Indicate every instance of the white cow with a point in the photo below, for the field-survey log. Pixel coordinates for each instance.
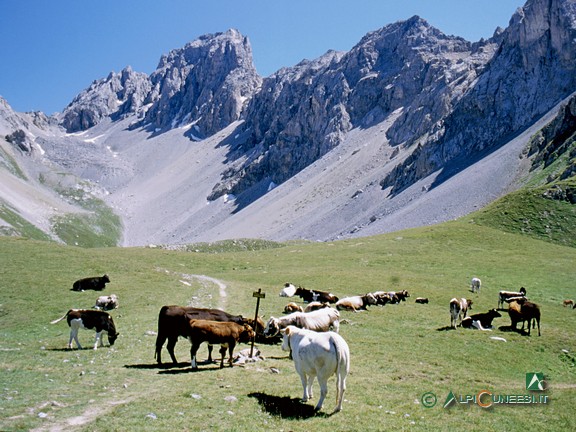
(318, 355)
(108, 302)
(475, 285)
(320, 320)
(288, 291)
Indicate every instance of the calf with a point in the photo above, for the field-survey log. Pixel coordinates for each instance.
(458, 310)
(107, 302)
(319, 355)
(89, 319)
(225, 334)
(422, 300)
(173, 322)
(97, 283)
(568, 303)
(504, 296)
(481, 321)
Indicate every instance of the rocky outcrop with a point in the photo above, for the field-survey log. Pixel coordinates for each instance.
(555, 142)
(206, 84)
(303, 112)
(532, 71)
(116, 96)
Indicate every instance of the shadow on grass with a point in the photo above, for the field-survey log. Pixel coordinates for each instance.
(157, 366)
(446, 328)
(512, 329)
(286, 407)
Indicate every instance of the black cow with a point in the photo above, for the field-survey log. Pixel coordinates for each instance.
(315, 295)
(89, 319)
(97, 283)
(481, 321)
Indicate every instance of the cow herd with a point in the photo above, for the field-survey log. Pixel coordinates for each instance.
(520, 310)
(310, 333)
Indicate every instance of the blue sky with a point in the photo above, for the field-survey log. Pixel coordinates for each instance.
(53, 49)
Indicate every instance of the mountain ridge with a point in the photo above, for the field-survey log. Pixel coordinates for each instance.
(339, 146)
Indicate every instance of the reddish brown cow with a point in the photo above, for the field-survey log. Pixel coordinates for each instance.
(225, 334)
(173, 321)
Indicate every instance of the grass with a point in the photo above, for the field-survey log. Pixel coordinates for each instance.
(398, 352)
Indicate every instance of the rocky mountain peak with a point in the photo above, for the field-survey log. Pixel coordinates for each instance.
(205, 83)
(117, 95)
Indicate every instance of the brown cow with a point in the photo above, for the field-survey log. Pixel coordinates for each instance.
(89, 319)
(226, 334)
(524, 311)
(173, 321)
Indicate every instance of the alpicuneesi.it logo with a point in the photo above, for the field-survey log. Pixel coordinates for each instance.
(485, 398)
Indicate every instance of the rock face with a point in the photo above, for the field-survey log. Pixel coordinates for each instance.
(532, 70)
(205, 83)
(303, 112)
(557, 139)
(118, 95)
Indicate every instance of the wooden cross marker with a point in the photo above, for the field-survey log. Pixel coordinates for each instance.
(259, 295)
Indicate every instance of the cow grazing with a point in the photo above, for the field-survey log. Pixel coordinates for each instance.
(224, 333)
(522, 312)
(481, 321)
(458, 310)
(505, 296)
(475, 285)
(318, 355)
(568, 302)
(173, 322)
(314, 295)
(292, 307)
(320, 320)
(107, 302)
(356, 303)
(97, 283)
(89, 319)
(288, 291)
(422, 300)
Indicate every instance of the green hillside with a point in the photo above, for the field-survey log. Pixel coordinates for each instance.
(544, 212)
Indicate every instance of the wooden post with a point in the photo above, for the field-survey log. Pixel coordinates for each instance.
(258, 294)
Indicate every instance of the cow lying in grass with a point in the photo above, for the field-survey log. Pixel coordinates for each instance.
(97, 283)
(107, 302)
(481, 321)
